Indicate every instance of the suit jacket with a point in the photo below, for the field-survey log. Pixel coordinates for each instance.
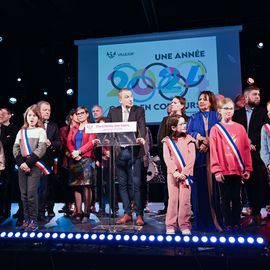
(54, 137)
(136, 114)
(258, 119)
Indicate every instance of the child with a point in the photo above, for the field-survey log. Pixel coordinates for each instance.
(230, 161)
(179, 156)
(29, 147)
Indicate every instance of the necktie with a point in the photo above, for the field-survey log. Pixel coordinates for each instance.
(126, 115)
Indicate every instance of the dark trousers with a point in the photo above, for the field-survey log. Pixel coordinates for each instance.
(129, 178)
(230, 199)
(28, 183)
(45, 194)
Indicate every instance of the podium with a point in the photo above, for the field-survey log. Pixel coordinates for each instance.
(114, 138)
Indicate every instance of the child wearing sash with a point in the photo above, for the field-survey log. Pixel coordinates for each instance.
(179, 156)
(29, 147)
(230, 161)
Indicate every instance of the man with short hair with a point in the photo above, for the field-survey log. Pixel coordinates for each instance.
(97, 112)
(253, 117)
(46, 187)
(128, 164)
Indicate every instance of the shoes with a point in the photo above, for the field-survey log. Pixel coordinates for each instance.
(126, 218)
(24, 225)
(78, 217)
(170, 231)
(140, 221)
(32, 226)
(162, 212)
(51, 213)
(85, 218)
(186, 232)
(101, 213)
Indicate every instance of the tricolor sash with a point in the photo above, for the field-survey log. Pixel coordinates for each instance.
(232, 146)
(27, 150)
(180, 163)
(267, 127)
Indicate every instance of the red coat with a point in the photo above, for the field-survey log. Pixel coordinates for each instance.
(86, 146)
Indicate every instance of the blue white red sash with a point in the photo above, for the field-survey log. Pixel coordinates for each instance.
(180, 163)
(267, 127)
(232, 146)
(27, 150)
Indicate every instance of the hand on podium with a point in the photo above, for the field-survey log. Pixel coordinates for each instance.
(140, 141)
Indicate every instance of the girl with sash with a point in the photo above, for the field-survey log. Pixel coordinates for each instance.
(205, 198)
(179, 156)
(28, 149)
(230, 162)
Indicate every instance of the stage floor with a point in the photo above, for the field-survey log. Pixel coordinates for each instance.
(154, 223)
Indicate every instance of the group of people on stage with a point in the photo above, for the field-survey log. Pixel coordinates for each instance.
(215, 162)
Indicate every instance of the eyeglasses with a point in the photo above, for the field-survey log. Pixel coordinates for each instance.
(227, 109)
(80, 113)
(183, 124)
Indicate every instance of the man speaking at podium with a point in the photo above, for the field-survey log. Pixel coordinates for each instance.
(130, 179)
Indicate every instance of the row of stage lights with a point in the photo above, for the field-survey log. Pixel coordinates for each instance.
(135, 238)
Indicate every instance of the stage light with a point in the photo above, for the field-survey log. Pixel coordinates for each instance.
(17, 234)
(93, 236)
(102, 237)
(45, 93)
(260, 45)
(151, 238)
(10, 234)
(204, 239)
(54, 235)
(61, 61)
(1, 39)
(70, 235)
(70, 92)
(62, 236)
(160, 238)
(186, 239)
(143, 238)
(177, 238)
(222, 239)
(19, 79)
(12, 100)
(39, 235)
(260, 240)
(213, 239)
(24, 235)
(118, 237)
(32, 235)
(86, 236)
(231, 239)
(126, 237)
(110, 237)
(241, 240)
(250, 240)
(135, 238)
(250, 80)
(3, 234)
(78, 236)
(195, 239)
(47, 235)
(169, 238)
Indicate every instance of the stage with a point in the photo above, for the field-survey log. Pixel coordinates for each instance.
(61, 243)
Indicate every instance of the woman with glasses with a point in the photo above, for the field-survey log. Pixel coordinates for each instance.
(206, 208)
(230, 162)
(82, 164)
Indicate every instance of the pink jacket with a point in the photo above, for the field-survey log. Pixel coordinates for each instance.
(222, 159)
(186, 146)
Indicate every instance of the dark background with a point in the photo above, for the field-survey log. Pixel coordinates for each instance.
(35, 33)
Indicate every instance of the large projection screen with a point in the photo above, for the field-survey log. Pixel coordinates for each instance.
(159, 66)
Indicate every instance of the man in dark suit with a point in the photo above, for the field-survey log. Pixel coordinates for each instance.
(253, 117)
(46, 186)
(130, 178)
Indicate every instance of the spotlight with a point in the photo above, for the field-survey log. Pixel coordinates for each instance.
(1, 39)
(110, 237)
(250, 80)
(61, 61)
(126, 237)
(45, 93)
(19, 79)
(70, 92)
(12, 100)
(118, 237)
(78, 236)
(260, 45)
(62, 235)
(143, 238)
(160, 238)
(102, 237)
(86, 236)
(134, 238)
